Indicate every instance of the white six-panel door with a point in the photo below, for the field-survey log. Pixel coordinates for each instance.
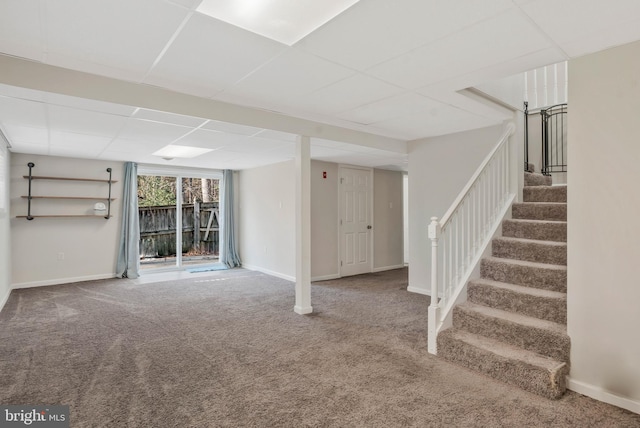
(356, 225)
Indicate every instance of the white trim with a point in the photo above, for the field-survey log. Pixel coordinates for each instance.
(418, 290)
(302, 310)
(4, 300)
(600, 394)
(177, 171)
(325, 277)
(59, 281)
(384, 268)
(269, 272)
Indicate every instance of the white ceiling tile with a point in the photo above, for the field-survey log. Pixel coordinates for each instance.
(71, 140)
(504, 37)
(210, 55)
(389, 108)
(84, 121)
(25, 134)
(134, 146)
(19, 112)
(75, 152)
(290, 75)
(121, 34)
(346, 94)
(170, 118)
(231, 128)
(154, 132)
(189, 4)
(573, 20)
(208, 139)
(444, 121)
(377, 30)
(31, 149)
(20, 29)
(113, 71)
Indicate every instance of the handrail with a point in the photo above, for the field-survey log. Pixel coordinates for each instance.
(465, 231)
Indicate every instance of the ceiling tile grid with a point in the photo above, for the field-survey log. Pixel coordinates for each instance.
(390, 68)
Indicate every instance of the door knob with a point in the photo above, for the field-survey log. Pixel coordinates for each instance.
(369, 227)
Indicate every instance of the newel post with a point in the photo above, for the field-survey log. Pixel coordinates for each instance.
(434, 310)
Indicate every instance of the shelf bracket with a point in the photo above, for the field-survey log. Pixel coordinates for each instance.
(29, 216)
(109, 198)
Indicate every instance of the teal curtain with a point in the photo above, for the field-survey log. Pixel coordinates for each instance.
(229, 251)
(128, 265)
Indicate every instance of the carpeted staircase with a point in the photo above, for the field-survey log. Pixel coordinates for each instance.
(513, 325)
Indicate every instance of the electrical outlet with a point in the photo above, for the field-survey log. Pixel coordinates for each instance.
(60, 256)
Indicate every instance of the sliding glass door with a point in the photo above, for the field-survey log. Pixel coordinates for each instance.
(179, 219)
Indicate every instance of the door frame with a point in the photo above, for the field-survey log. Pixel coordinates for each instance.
(342, 167)
(179, 173)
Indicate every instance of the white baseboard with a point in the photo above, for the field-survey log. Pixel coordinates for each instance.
(4, 299)
(418, 290)
(325, 277)
(605, 396)
(62, 281)
(269, 272)
(383, 268)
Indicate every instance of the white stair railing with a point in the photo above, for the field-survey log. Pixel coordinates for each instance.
(460, 237)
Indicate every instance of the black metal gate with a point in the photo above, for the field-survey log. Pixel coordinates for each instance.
(554, 139)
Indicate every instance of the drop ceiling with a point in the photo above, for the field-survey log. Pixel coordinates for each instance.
(396, 70)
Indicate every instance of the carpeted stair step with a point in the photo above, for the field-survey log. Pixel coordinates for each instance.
(534, 302)
(530, 167)
(539, 211)
(551, 252)
(524, 369)
(529, 274)
(536, 179)
(533, 334)
(541, 230)
(544, 194)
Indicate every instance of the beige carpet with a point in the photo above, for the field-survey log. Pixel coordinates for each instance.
(227, 350)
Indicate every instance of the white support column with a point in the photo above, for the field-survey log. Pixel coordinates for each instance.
(303, 226)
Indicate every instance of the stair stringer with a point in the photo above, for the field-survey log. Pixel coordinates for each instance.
(460, 295)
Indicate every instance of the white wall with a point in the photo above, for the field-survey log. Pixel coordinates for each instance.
(439, 168)
(388, 233)
(267, 219)
(89, 244)
(5, 249)
(325, 240)
(267, 235)
(604, 235)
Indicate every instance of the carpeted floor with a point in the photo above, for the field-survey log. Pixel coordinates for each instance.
(227, 350)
